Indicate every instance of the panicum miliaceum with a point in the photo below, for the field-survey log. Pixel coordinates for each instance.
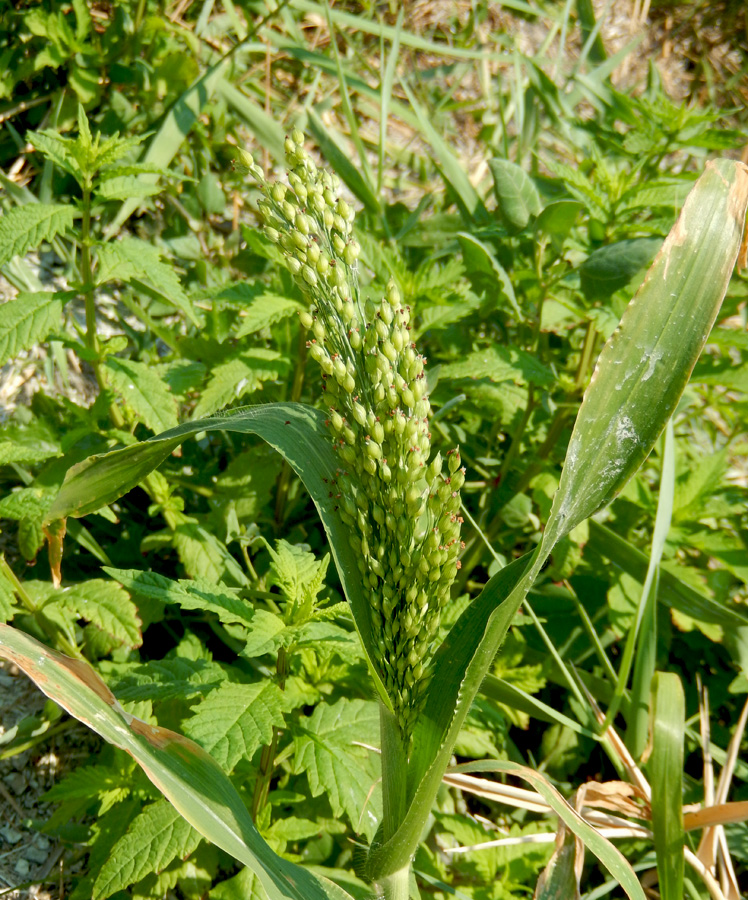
(402, 509)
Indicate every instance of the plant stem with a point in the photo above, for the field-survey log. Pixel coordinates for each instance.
(395, 886)
(267, 760)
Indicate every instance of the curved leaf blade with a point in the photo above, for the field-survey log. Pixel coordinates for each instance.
(181, 770)
(646, 364)
(666, 778)
(613, 860)
(296, 431)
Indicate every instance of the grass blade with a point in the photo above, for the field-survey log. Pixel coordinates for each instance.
(666, 778)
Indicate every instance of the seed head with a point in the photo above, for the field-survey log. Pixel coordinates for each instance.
(400, 510)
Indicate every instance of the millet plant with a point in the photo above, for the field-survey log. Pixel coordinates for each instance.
(392, 514)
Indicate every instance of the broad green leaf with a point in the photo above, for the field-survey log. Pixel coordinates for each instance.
(665, 771)
(258, 309)
(479, 257)
(26, 320)
(558, 218)
(154, 838)
(613, 860)
(237, 377)
(133, 260)
(500, 364)
(244, 886)
(7, 598)
(105, 605)
(516, 194)
(25, 227)
(205, 556)
(143, 391)
(325, 750)
(13, 452)
(197, 593)
(612, 267)
(237, 719)
(297, 432)
(185, 774)
(28, 502)
(122, 187)
(166, 679)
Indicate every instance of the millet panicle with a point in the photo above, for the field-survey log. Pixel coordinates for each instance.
(401, 507)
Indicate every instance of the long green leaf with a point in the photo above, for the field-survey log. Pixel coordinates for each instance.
(631, 393)
(297, 432)
(179, 768)
(646, 364)
(666, 778)
(609, 856)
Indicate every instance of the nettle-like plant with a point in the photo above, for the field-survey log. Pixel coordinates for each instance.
(392, 514)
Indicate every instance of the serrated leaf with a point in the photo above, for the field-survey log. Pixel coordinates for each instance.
(204, 556)
(500, 364)
(131, 259)
(263, 311)
(7, 599)
(325, 750)
(26, 320)
(29, 502)
(143, 391)
(155, 837)
(236, 720)
(13, 452)
(122, 187)
(299, 574)
(30, 537)
(207, 597)
(63, 152)
(238, 377)
(167, 679)
(25, 227)
(515, 192)
(244, 886)
(104, 604)
(480, 258)
(90, 783)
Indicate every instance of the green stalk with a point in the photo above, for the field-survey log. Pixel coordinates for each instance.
(267, 760)
(395, 886)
